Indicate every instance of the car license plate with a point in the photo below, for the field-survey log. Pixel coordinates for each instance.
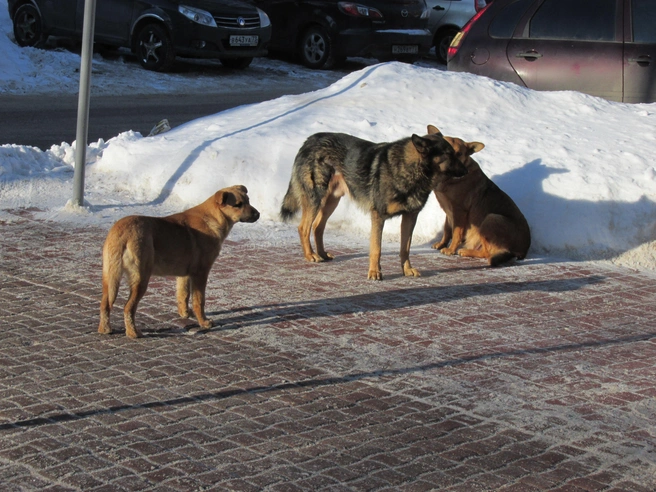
(244, 40)
(405, 49)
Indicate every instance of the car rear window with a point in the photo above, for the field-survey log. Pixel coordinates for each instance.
(503, 25)
(584, 20)
(644, 21)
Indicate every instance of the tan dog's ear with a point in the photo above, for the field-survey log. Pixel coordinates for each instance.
(224, 198)
(433, 130)
(242, 188)
(474, 147)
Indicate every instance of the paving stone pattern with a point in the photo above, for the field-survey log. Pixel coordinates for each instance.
(536, 376)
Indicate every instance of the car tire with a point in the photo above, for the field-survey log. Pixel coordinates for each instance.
(154, 48)
(28, 27)
(442, 42)
(237, 63)
(316, 49)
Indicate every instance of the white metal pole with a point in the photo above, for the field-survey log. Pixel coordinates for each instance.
(83, 101)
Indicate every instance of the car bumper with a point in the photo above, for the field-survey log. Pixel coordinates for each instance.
(215, 42)
(385, 44)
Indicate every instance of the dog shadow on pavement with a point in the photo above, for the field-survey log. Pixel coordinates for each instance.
(380, 301)
(386, 300)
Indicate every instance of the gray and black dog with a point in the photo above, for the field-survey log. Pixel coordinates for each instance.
(386, 179)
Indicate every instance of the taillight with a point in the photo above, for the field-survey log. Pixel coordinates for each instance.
(457, 40)
(357, 10)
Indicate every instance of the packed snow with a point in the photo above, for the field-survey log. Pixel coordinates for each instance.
(581, 169)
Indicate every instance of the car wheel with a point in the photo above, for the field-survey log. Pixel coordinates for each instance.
(154, 48)
(238, 63)
(316, 49)
(442, 42)
(28, 29)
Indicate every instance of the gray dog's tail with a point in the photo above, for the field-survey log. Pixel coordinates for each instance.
(290, 204)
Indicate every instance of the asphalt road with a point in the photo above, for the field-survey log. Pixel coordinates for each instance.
(46, 120)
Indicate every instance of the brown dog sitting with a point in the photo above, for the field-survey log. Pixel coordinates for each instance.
(479, 213)
(184, 245)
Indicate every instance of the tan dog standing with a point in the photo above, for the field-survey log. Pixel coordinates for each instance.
(479, 213)
(184, 245)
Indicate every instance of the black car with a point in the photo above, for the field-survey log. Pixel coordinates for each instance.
(606, 48)
(156, 30)
(323, 33)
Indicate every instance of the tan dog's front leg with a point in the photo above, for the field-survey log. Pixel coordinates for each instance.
(408, 221)
(198, 285)
(375, 240)
(182, 295)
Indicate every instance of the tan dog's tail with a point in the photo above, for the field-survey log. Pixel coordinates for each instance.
(111, 279)
(290, 204)
(112, 272)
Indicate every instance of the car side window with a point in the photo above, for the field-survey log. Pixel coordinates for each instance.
(644, 21)
(583, 20)
(503, 25)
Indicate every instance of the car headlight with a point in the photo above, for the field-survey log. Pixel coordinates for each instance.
(264, 18)
(197, 15)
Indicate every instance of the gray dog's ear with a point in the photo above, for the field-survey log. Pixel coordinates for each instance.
(420, 143)
(432, 130)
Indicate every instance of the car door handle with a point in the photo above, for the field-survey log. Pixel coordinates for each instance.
(438, 8)
(529, 55)
(643, 60)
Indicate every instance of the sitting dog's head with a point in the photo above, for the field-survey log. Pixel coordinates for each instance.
(463, 149)
(439, 153)
(234, 204)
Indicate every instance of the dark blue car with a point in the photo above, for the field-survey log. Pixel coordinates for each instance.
(155, 30)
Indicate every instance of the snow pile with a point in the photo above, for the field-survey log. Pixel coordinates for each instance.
(580, 168)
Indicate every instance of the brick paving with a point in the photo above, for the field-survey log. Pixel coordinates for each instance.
(536, 376)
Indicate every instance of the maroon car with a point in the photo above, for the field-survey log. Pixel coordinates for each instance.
(606, 48)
